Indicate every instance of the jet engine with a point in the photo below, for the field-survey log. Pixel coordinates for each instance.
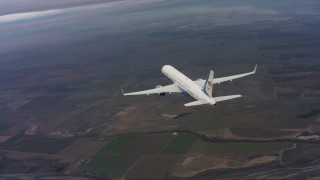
(161, 94)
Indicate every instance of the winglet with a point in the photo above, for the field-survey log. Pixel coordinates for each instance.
(255, 69)
(122, 91)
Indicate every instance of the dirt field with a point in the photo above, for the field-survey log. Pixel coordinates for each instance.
(82, 148)
(237, 147)
(263, 132)
(4, 138)
(43, 146)
(194, 164)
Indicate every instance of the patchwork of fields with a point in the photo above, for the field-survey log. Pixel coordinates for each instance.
(63, 113)
(159, 155)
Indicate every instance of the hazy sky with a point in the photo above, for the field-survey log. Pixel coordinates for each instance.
(65, 24)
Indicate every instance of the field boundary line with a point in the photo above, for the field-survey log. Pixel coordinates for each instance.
(124, 175)
(164, 146)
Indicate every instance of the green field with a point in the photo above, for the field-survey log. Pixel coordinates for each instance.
(120, 157)
(3, 127)
(237, 147)
(180, 144)
(117, 145)
(108, 165)
(147, 144)
(313, 112)
(153, 166)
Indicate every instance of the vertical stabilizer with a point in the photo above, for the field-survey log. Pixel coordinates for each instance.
(208, 85)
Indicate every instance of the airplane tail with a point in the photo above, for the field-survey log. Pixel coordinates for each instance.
(208, 85)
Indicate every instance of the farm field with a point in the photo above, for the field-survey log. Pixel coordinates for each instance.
(147, 144)
(153, 167)
(108, 165)
(63, 72)
(115, 146)
(158, 155)
(237, 147)
(3, 127)
(77, 149)
(180, 144)
(312, 113)
(43, 146)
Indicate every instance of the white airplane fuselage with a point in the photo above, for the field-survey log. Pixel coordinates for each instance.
(200, 89)
(186, 84)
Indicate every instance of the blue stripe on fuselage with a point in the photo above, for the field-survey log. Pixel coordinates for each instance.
(204, 88)
(184, 92)
(205, 92)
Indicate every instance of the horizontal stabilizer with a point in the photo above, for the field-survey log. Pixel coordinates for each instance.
(224, 98)
(173, 88)
(195, 103)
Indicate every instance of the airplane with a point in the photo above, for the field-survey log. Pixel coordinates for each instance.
(200, 89)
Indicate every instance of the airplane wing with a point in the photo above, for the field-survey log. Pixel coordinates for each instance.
(216, 99)
(224, 98)
(230, 78)
(173, 88)
(201, 82)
